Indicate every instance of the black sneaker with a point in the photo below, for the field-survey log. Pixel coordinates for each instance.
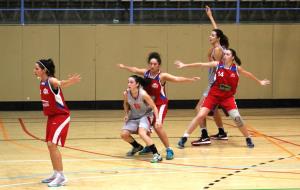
(249, 142)
(181, 142)
(219, 136)
(201, 141)
(146, 150)
(134, 150)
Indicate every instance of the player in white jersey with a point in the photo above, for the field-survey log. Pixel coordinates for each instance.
(219, 43)
(139, 109)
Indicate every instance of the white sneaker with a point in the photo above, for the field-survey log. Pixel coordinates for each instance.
(58, 181)
(156, 158)
(49, 179)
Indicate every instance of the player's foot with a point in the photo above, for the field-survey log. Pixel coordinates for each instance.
(249, 142)
(170, 154)
(156, 158)
(181, 142)
(49, 179)
(146, 150)
(134, 150)
(60, 180)
(201, 141)
(219, 136)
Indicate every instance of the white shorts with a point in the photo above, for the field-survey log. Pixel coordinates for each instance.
(133, 125)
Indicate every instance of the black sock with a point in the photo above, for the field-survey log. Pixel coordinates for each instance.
(204, 133)
(135, 144)
(221, 131)
(153, 148)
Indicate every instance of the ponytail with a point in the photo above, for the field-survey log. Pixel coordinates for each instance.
(143, 82)
(236, 58)
(223, 38)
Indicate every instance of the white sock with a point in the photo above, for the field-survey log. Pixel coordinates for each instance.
(61, 173)
(186, 135)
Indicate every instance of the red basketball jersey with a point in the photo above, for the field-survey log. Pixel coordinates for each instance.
(52, 103)
(226, 81)
(156, 89)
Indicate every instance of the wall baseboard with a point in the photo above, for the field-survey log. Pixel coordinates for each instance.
(173, 104)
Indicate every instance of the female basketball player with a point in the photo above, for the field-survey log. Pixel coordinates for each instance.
(222, 92)
(139, 109)
(156, 90)
(219, 43)
(55, 108)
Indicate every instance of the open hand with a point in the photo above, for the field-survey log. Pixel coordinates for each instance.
(179, 64)
(265, 82)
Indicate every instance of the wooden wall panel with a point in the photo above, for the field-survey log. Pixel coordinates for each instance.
(11, 63)
(39, 42)
(77, 55)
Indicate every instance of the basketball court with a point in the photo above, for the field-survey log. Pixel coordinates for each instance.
(94, 155)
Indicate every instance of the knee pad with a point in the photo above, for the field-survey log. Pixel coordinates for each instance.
(235, 115)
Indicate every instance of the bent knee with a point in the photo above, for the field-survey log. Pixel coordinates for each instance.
(124, 134)
(239, 121)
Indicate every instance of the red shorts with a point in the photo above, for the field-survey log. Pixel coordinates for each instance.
(57, 129)
(162, 112)
(211, 102)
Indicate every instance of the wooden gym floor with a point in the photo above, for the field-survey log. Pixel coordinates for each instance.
(94, 156)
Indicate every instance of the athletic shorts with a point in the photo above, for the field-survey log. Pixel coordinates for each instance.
(205, 93)
(211, 102)
(133, 125)
(57, 128)
(162, 112)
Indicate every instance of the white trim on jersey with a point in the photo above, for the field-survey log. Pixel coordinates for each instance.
(161, 112)
(57, 96)
(58, 131)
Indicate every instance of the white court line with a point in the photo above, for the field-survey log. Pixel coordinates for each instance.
(18, 184)
(97, 177)
(119, 159)
(92, 178)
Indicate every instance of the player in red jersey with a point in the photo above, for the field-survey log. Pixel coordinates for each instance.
(55, 108)
(156, 89)
(222, 93)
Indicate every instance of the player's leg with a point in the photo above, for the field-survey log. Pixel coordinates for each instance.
(59, 129)
(230, 105)
(162, 112)
(130, 127)
(221, 135)
(193, 124)
(143, 129)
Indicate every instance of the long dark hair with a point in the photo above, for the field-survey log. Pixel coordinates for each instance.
(154, 55)
(48, 65)
(143, 82)
(223, 38)
(236, 58)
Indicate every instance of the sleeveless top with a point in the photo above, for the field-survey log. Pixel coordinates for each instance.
(138, 107)
(226, 81)
(53, 103)
(156, 89)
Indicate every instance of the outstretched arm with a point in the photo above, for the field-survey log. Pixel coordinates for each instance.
(210, 16)
(73, 79)
(180, 64)
(172, 78)
(251, 76)
(132, 69)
